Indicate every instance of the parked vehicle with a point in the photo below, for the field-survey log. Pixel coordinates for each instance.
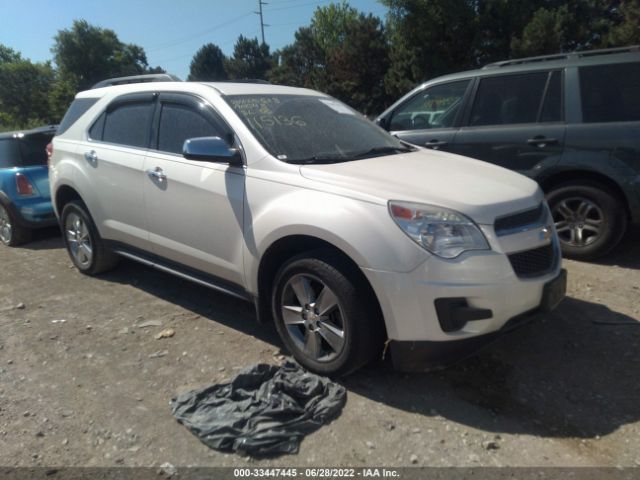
(286, 197)
(25, 201)
(569, 121)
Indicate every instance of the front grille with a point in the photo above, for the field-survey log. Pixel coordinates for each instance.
(533, 263)
(505, 225)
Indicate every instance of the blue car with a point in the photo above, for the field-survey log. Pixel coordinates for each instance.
(25, 199)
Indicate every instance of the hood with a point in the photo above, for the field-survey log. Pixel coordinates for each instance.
(477, 189)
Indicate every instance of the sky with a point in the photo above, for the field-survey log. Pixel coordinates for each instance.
(170, 31)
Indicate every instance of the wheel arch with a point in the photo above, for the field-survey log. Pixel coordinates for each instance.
(290, 246)
(551, 181)
(65, 194)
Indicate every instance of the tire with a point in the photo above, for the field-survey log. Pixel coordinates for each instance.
(324, 315)
(11, 233)
(84, 244)
(589, 218)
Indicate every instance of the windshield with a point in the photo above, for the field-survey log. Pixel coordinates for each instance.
(308, 129)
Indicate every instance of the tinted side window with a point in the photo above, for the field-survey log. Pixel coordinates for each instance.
(179, 123)
(435, 107)
(9, 153)
(96, 130)
(552, 107)
(129, 124)
(76, 110)
(33, 148)
(508, 99)
(610, 93)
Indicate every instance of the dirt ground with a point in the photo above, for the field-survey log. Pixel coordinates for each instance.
(84, 383)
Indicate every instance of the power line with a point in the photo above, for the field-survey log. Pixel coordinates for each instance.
(165, 45)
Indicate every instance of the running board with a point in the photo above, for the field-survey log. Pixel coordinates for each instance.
(209, 282)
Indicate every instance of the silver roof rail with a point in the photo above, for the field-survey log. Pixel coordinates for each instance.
(152, 77)
(563, 56)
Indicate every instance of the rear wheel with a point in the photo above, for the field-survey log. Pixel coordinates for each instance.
(12, 234)
(590, 220)
(324, 315)
(84, 244)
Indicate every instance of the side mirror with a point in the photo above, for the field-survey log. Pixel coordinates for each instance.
(211, 149)
(382, 122)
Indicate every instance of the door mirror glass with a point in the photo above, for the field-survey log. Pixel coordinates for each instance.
(211, 149)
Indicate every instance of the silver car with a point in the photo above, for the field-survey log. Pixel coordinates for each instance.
(349, 239)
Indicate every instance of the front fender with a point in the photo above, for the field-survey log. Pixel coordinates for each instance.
(362, 230)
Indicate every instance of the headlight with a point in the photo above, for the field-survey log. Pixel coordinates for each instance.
(440, 231)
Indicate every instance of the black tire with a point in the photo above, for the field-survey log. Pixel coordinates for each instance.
(76, 238)
(357, 313)
(12, 234)
(593, 210)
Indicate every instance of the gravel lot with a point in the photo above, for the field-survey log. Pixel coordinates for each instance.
(83, 383)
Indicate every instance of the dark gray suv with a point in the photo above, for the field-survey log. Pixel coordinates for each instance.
(570, 121)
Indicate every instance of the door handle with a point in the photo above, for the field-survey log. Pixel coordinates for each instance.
(542, 141)
(91, 156)
(435, 144)
(157, 173)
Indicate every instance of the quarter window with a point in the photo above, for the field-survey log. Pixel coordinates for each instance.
(508, 99)
(129, 124)
(435, 107)
(179, 123)
(610, 93)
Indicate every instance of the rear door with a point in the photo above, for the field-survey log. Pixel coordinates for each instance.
(194, 209)
(430, 118)
(515, 121)
(119, 140)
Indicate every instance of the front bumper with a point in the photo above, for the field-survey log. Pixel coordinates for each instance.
(411, 356)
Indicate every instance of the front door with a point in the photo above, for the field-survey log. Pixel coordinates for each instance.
(428, 119)
(194, 208)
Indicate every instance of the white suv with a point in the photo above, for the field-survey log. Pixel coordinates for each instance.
(348, 238)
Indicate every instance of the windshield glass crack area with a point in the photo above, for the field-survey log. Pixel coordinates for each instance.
(306, 129)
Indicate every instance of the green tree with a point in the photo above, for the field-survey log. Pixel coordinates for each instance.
(626, 30)
(250, 59)
(330, 24)
(544, 34)
(86, 54)
(208, 64)
(24, 94)
(428, 38)
(301, 64)
(8, 55)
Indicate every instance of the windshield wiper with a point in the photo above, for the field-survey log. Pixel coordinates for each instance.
(317, 159)
(380, 151)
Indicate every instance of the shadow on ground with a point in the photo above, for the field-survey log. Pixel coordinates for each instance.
(627, 254)
(571, 375)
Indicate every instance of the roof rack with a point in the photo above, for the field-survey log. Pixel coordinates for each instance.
(152, 77)
(245, 80)
(563, 56)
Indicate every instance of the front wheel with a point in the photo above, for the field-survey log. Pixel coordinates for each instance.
(84, 244)
(589, 219)
(324, 315)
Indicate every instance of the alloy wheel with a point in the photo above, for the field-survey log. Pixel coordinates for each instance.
(313, 317)
(6, 230)
(578, 220)
(78, 239)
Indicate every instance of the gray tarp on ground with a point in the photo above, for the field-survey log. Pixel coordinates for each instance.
(265, 410)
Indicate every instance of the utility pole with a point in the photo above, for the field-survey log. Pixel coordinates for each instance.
(259, 12)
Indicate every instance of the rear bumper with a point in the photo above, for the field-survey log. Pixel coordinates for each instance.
(32, 212)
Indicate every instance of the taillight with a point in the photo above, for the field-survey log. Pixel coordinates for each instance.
(24, 185)
(49, 150)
